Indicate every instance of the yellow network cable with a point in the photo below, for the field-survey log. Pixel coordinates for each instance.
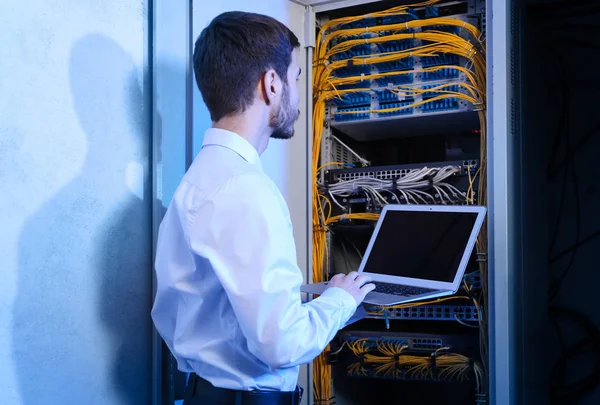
(327, 93)
(367, 216)
(399, 10)
(389, 359)
(323, 43)
(412, 105)
(441, 43)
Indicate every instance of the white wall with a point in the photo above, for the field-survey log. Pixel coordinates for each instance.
(284, 161)
(75, 245)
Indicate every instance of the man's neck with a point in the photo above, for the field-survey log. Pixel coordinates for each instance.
(251, 130)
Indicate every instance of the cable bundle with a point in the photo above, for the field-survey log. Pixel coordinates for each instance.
(410, 187)
(389, 358)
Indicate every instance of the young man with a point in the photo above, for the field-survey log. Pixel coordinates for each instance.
(228, 303)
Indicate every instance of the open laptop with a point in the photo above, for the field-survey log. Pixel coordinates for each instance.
(417, 252)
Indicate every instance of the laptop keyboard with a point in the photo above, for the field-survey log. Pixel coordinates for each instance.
(395, 289)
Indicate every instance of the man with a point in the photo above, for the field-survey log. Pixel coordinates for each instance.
(228, 303)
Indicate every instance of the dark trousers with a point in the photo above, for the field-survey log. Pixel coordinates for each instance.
(201, 392)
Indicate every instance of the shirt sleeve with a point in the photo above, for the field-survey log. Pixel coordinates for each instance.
(246, 234)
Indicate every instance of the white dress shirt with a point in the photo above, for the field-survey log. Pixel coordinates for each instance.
(228, 302)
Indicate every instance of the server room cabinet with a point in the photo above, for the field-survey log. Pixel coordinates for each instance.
(351, 139)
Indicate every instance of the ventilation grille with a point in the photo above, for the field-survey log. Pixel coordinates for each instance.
(342, 154)
(515, 70)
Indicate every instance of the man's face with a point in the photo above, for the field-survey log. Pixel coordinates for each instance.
(285, 113)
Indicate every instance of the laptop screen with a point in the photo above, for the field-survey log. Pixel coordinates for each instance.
(421, 244)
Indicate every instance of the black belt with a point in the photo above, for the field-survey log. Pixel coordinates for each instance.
(199, 387)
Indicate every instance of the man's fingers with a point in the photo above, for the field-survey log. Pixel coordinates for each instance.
(367, 288)
(353, 275)
(362, 279)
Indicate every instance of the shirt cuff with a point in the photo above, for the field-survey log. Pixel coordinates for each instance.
(347, 301)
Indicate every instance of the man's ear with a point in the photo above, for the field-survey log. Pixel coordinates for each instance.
(270, 86)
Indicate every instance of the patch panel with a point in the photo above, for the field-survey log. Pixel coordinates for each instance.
(402, 71)
(352, 70)
(395, 46)
(396, 171)
(470, 165)
(426, 343)
(403, 111)
(411, 340)
(348, 117)
(444, 59)
(445, 28)
(386, 96)
(372, 339)
(397, 65)
(398, 19)
(431, 12)
(339, 40)
(466, 313)
(403, 78)
(370, 22)
(353, 99)
(452, 8)
(357, 200)
(357, 85)
(367, 49)
(434, 93)
(356, 51)
(441, 105)
(441, 74)
(365, 22)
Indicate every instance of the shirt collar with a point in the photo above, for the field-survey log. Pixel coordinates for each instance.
(233, 141)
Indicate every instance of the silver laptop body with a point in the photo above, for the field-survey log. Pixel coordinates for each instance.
(417, 252)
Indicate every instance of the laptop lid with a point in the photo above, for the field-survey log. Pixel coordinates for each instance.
(423, 245)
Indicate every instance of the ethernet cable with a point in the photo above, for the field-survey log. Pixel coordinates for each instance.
(410, 186)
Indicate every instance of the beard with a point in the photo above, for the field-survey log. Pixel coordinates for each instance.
(283, 118)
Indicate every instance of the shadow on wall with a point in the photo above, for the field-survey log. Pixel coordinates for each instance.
(82, 322)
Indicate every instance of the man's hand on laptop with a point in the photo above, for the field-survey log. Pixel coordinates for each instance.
(353, 283)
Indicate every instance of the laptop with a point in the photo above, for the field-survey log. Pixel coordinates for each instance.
(417, 252)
